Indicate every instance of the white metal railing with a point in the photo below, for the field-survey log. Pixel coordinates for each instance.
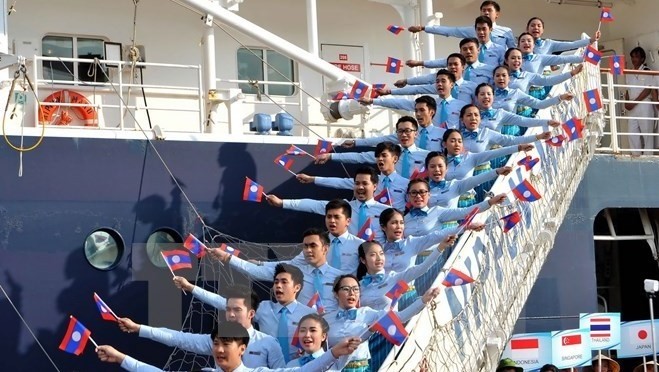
(617, 134)
(468, 326)
(119, 89)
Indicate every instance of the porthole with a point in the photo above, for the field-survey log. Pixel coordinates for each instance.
(104, 248)
(163, 239)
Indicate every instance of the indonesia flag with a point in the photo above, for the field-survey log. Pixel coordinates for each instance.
(617, 64)
(366, 232)
(394, 65)
(600, 327)
(395, 29)
(455, 278)
(525, 192)
(573, 128)
(384, 197)
(592, 100)
(605, 15)
(358, 90)
(524, 348)
(195, 246)
(104, 309)
(592, 55)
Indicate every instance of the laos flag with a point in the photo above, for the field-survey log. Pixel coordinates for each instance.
(284, 161)
(374, 93)
(510, 221)
(573, 128)
(592, 100)
(396, 292)
(395, 29)
(177, 259)
(252, 191)
(528, 162)
(617, 64)
(195, 246)
(383, 197)
(592, 55)
(322, 147)
(366, 232)
(318, 302)
(76, 337)
(456, 277)
(391, 328)
(230, 250)
(556, 141)
(358, 90)
(605, 15)
(525, 192)
(393, 65)
(104, 309)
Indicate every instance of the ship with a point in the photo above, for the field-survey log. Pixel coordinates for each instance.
(130, 124)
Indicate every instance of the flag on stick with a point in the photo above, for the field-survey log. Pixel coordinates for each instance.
(177, 260)
(528, 162)
(456, 277)
(510, 221)
(393, 65)
(104, 309)
(592, 100)
(396, 292)
(605, 15)
(75, 338)
(592, 55)
(573, 128)
(252, 191)
(617, 64)
(391, 328)
(322, 147)
(525, 192)
(195, 246)
(395, 29)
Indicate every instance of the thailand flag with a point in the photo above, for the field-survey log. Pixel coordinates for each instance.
(606, 15)
(384, 197)
(600, 327)
(75, 338)
(524, 348)
(230, 250)
(358, 90)
(322, 147)
(525, 192)
(393, 65)
(396, 292)
(456, 277)
(617, 64)
(177, 259)
(423, 173)
(375, 94)
(104, 309)
(528, 162)
(395, 29)
(252, 191)
(592, 55)
(195, 246)
(366, 232)
(295, 151)
(510, 221)
(573, 129)
(317, 302)
(469, 217)
(556, 141)
(592, 100)
(391, 328)
(284, 161)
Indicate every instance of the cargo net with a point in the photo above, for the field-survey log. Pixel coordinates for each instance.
(213, 276)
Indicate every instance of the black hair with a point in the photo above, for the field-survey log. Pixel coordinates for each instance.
(296, 274)
(496, 5)
(324, 326)
(464, 108)
(431, 155)
(468, 40)
(522, 35)
(387, 214)
(248, 295)
(483, 19)
(405, 119)
(447, 73)
(341, 204)
(230, 331)
(324, 238)
(481, 86)
(510, 50)
(429, 101)
(549, 367)
(415, 181)
(639, 51)
(501, 67)
(458, 56)
(337, 281)
(373, 174)
(361, 251)
(393, 148)
(445, 138)
(533, 19)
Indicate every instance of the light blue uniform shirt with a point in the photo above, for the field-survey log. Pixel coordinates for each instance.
(500, 34)
(514, 97)
(495, 118)
(415, 160)
(348, 252)
(523, 80)
(453, 107)
(448, 193)
(397, 183)
(401, 254)
(420, 225)
(262, 350)
(493, 53)
(536, 62)
(465, 90)
(433, 143)
(485, 138)
(336, 367)
(469, 161)
(549, 46)
(373, 210)
(476, 72)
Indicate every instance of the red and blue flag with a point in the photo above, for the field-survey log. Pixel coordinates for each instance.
(525, 192)
(455, 277)
(177, 259)
(104, 309)
(394, 65)
(359, 90)
(528, 162)
(395, 29)
(556, 141)
(295, 151)
(76, 337)
(230, 250)
(339, 96)
(416, 173)
(600, 327)
(366, 232)
(391, 328)
(510, 221)
(384, 197)
(318, 302)
(252, 191)
(295, 341)
(284, 161)
(469, 217)
(617, 65)
(592, 100)
(592, 55)
(322, 147)
(605, 15)
(396, 292)
(374, 93)
(195, 246)
(573, 128)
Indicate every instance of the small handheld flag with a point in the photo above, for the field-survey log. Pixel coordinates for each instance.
(104, 309)
(296, 151)
(366, 232)
(374, 93)
(318, 302)
(396, 292)
(528, 162)
(592, 100)
(322, 147)
(395, 29)
(195, 246)
(384, 197)
(456, 277)
(295, 341)
(391, 328)
(252, 191)
(285, 162)
(573, 128)
(230, 250)
(592, 55)
(617, 64)
(394, 65)
(423, 173)
(556, 141)
(525, 192)
(510, 221)
(469, 217)
(605, 15)
(339, 96)
(177, 259)
(76, 337)
(358, 90)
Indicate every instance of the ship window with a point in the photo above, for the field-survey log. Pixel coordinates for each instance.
(163, 239)
(266, 66)
(68, 47)
(104, 249)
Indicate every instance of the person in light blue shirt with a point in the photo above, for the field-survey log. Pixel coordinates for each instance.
(534, 62)
(536, 27)
(312, 334)
(241, 306)
(501, 35)
(523, 80)
(230, 341)
(411, 157)
(386, 154)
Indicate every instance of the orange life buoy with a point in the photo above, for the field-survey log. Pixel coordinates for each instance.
(87, 114)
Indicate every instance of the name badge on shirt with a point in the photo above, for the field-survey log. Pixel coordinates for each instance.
(293, 322)
(329, 284)
(347, 254)
(418, 162)
(398, 191)
(479, 141)
(434, 140)
(399, 253)
(444, 191)
(382, 286)
(254, 353)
